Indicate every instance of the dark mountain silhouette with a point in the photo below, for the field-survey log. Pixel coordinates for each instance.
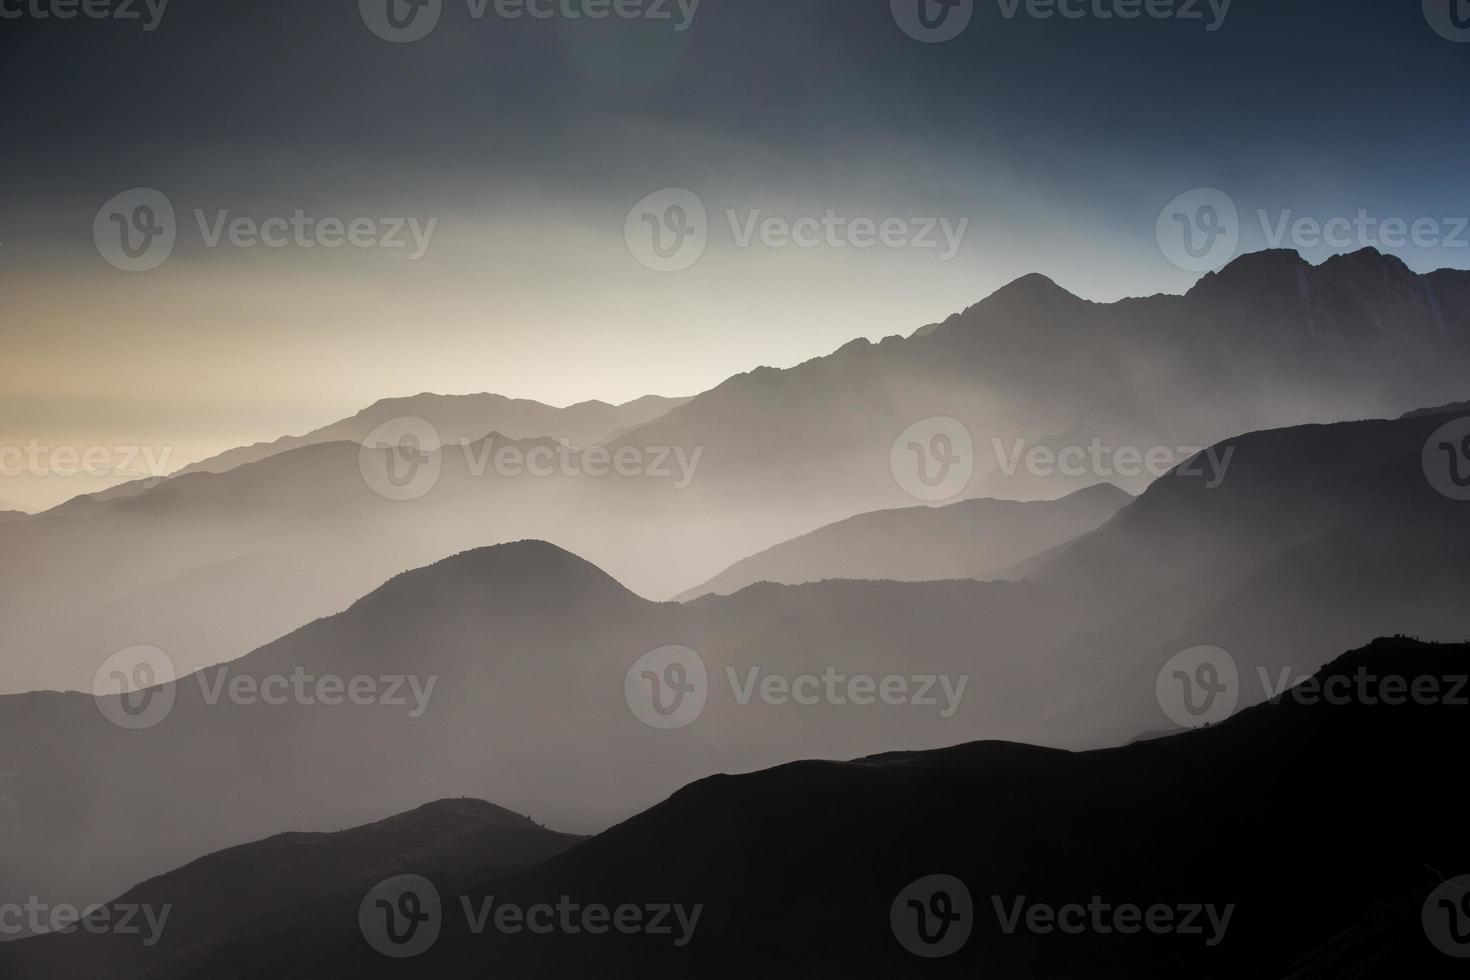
(10, 516)
(1321, 827)
(976, 539)
(256, 892)
(1458, 408)
(1318, 533)
(217, 564)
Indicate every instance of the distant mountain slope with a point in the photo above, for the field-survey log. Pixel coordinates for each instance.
(9, 516)
(521, 654)
(972, 539)
(464, 417)
(1313, 833)
(256, 892)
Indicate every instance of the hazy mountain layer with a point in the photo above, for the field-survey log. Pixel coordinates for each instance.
(802, 870)
(1317, 532)
(210, 566)
(976, 539)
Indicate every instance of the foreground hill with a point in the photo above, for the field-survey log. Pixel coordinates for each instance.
(976, 539)
(257, 891)
(1298, 838)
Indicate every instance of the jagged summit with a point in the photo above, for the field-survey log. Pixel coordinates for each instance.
(1032, 288)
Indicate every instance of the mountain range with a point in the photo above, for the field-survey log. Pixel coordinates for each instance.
(1316, 532)
(978, 539)
(803, 869)
(467, 417)
(212, 565)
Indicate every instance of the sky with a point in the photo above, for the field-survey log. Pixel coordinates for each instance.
(505, 174)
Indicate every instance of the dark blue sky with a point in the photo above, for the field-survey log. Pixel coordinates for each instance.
(1058, 142)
